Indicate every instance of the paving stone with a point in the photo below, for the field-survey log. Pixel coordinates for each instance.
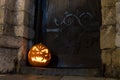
(111, 79)
(60, 72)
(29, 77)
(44, 77)
(80, 78)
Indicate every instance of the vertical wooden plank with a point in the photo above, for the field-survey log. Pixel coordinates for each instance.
(75, 45)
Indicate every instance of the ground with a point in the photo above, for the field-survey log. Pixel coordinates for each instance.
(43, 77)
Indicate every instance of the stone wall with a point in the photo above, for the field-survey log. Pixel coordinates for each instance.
(16, 31)
(16, 34)
(110, 38)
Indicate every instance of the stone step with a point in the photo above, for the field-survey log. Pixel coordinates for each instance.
(44, 77)
(60, 71)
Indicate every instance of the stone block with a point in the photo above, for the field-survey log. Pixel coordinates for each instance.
(28, 20)
(2, 3)
(116, 58)
(81, 78)
(1, 14)
(111, 60)
(116, 62)
(118, 7)
(18, 18)
(30, 7)
(24, 31)
(13, 18)
(110, 79)
(7, 59)
(117, 39)
(108, 15)
(10, 17)
(118, 18)
(118, 12)
(26, 5)
(23, 18)
(22, 53)
(106, 56)
(19, 31)
(10, 41)
(11, 4)
(8, 30)
(108, 2)
(107, 37)
(1, 29)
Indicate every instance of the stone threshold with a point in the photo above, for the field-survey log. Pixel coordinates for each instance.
(61, 71)
(44, 77)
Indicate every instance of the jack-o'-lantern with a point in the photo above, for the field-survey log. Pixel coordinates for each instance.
(39, 55)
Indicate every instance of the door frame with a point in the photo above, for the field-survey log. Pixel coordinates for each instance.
(39, 33)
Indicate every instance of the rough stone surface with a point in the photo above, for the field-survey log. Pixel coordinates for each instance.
(108, 15)
(1, 29)
(45, 77)
(10, 17)
(111, 61)
(118, 7)
(2, 2)
(19, 31)
(110, 38)
(18, 18)
(1, 15)
(60, 71)
(11, 41)
(108, 2)
(117, 41)
(118, 12)
(107, 61)
(30, 6)
(20, 5)
(107, 35)
(7, 59)
(106, 57)
(80, 78)
(116, 62)
(24, 31)
(11, 4)
(118, 18)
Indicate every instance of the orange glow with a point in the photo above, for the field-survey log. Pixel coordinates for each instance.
(39, 55)
(39, 59)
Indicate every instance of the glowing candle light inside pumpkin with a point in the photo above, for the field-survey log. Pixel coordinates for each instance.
(39, 55)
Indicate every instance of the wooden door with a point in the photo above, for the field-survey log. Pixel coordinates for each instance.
(72, 29)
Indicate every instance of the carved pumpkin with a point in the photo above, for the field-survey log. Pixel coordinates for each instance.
(39, 55)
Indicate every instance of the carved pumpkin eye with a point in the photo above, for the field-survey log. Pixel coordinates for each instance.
(39, 55)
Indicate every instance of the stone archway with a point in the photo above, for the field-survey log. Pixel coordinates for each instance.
(11, 39)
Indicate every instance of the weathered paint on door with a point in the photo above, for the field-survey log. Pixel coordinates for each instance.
(72, 32)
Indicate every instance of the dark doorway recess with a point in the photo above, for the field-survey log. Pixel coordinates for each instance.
(71, 30)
